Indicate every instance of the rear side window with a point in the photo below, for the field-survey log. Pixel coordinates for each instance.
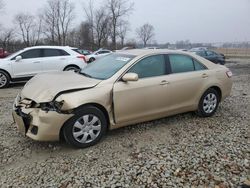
(54, 52)
(150, 67)
(201, 53)
(211, 53)
(183, 63)
(198, 66)
(103, 52)
(35, 53)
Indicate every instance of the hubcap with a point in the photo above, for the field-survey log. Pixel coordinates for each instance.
(209, 103)
(3, 80)
(87, 128)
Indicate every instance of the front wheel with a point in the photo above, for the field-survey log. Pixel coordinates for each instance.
(208, 103)
(91, 60)
(86, 128)
(4, 79)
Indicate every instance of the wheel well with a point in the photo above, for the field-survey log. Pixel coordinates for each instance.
(6, 73)
(71, 66)
(218, 90)
(100, 107)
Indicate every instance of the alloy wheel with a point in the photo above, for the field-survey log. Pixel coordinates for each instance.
(3, 80)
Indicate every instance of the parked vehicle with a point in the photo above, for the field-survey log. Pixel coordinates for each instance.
(28, 62)
(118, 90)
(97, 54)
(83, 52)
(3, 53)
(152, 47)
(210, 55)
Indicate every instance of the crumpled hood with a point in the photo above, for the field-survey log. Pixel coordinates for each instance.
(44, 87)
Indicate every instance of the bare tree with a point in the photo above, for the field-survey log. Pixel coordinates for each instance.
(118, 9)
(145, 33)
(7, 36)
(123, 31)
(101, 27)
(57, 19)
(30, 28)
(85, 35)
(89, 13)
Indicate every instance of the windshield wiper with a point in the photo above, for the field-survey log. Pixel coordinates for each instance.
(87, 75)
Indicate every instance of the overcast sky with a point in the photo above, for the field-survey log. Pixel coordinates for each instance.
(194, 20)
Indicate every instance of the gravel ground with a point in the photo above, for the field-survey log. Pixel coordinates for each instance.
(178, 151)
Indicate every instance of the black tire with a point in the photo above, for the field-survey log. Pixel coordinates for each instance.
(91, 60)
(72, 68)
(4, 79)
(212, 107)
(69, 126)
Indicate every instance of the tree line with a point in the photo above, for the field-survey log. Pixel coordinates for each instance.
(105, 26)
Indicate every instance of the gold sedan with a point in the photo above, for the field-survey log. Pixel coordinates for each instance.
(120, 89)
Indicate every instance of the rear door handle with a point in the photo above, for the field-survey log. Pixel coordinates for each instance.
(204, 75)
(36, 62)
(164, 82)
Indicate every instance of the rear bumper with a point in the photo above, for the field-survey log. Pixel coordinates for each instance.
(226, 89)
(39, 125)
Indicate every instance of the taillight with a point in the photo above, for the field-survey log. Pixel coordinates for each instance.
(229, 74)
(82, 57)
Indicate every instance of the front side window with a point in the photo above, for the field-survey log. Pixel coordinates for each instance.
(35, 53)
(181, 63)
(54, 53)
(150, 66)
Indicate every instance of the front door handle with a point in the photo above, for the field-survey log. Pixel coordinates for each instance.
(36, 62)
(164, 82)
(204, 75)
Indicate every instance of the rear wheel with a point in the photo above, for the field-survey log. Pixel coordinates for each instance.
(208, 103)
(86, 128)
(72, 68)
(4, 79)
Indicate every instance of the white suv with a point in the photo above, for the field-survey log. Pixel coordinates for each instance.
(28, 62)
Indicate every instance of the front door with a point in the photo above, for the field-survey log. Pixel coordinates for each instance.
(29, 65)
(144, 98)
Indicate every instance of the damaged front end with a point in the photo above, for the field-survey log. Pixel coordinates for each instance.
(39, 121)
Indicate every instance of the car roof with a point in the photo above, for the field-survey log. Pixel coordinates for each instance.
(51, 47)
(142, 52)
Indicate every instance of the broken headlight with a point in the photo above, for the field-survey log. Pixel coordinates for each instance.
(52, 106)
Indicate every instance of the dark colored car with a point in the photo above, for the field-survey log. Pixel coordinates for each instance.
(210, 55)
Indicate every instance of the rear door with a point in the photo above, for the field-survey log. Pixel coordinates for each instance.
(29, 65)
(146, 97)
(186, 81)
(55, 59)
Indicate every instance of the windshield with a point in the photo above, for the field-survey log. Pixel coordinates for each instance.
(107, 66)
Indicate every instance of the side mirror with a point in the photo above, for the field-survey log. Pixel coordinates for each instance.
(130, 77)
(18, 58)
